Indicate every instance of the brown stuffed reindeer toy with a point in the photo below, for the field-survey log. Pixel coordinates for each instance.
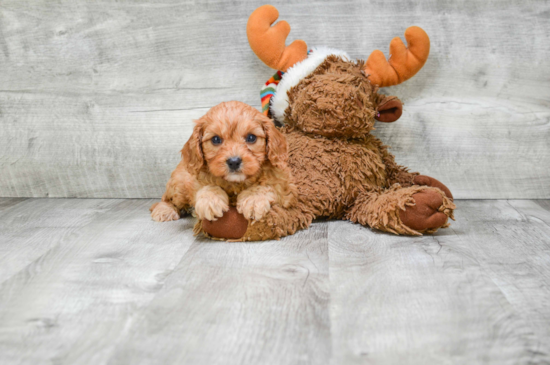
(328, 105)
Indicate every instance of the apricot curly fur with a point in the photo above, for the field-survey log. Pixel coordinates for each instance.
(202, 182)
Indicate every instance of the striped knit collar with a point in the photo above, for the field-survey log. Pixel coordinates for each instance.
(269, 90)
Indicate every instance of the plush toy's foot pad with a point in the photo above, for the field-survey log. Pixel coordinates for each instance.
(231, 226)
(430, 212)
(430, 181)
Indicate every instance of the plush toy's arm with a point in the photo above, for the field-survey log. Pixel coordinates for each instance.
(403, 210)
(430, 181)
(400, 175)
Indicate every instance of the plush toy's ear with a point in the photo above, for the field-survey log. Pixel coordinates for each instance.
(269, 42)
(389, 110)
(276, 144)
(404, 62)
(192, 150)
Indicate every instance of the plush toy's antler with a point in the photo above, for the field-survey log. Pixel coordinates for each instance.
(404, 62)
(269, 42)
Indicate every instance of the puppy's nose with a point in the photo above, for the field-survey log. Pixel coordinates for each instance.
(234, 163)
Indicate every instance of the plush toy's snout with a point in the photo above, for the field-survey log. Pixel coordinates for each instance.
(389, 110)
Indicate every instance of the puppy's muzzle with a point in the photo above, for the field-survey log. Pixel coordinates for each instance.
(234, 163)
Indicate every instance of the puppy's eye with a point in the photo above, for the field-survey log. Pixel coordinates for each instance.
(251, 138)
(216, 140)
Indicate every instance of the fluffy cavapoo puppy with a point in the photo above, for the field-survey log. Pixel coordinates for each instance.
(235, 157)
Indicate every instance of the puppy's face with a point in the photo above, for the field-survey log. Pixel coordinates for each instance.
(234, 140)
(234, 147)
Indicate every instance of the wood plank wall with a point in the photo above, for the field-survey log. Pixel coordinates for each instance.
(98, 97)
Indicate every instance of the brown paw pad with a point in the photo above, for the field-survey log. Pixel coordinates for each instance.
(231, 226)
(425, 214)
(430, 181)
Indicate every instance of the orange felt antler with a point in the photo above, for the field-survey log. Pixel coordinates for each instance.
(404, 62)
(269, 42)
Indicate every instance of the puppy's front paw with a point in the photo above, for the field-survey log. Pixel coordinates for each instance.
(253, 206)
(164, 212)
(211, 203)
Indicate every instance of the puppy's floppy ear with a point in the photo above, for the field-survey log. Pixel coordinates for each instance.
(276, 144)
(192, 150)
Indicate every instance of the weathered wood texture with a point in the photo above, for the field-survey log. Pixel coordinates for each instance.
(239, 303)
(97, 98)
(97, 282)
(476, 293)
(74, 273)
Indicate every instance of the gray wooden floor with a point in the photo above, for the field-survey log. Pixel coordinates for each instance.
(95, 281)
